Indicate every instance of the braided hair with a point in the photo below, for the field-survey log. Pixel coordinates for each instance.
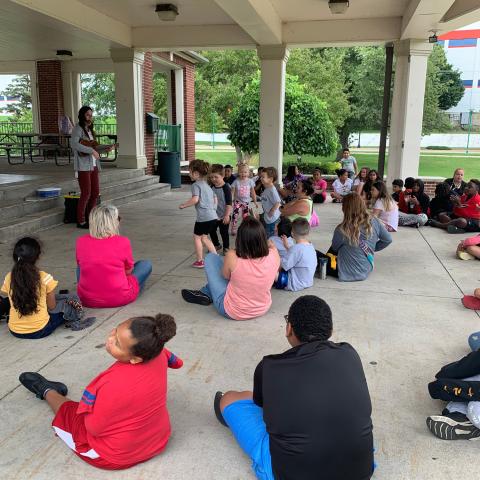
(310, 318)
(151, 334)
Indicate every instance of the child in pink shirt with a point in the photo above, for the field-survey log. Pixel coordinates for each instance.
(319, 187)
(107, 274)
(469, 248)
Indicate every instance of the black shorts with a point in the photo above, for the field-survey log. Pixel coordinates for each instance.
(472, 225)
(205, 228)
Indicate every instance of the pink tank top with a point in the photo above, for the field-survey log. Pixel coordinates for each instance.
(248, 291)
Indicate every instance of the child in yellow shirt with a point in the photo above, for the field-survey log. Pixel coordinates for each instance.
(31, 293)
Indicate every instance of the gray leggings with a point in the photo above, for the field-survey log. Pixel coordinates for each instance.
(470, 409)
(405, 219)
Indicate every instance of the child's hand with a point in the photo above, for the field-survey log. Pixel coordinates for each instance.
(477, 206)
(174, 361)
(271, 212)
(181, 207)
(226, 219)
(285, 242)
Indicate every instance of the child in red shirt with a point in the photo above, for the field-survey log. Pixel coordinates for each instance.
(466, 211)
(122, 418)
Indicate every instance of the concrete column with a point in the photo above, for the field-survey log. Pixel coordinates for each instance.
(72, 94)
(407, 108)
(273, 61)
(179, 109)
(127, 66)
(35, 101)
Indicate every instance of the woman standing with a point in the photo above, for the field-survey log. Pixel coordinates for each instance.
(86, 163)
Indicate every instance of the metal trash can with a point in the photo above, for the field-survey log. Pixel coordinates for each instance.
(168, 168)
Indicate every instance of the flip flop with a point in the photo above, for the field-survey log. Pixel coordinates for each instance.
(471, 302)
(217, 409)
(462, 255)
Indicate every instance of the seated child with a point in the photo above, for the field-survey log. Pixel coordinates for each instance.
(300, 261)
(316, 386)
(122, 418)
(469, 249)
(271, 200)
(397, 187)
(442, 203)
(319, 187)
(282, 229)
(341, 186)
(457, 383)
(31, 293)
(229, 176)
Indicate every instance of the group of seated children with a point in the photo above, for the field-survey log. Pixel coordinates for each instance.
(122, 418)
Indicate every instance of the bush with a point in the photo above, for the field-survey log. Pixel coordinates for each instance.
(307, 167)
(437, 147)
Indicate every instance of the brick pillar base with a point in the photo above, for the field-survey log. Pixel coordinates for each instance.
(147, 87)
(50, 94)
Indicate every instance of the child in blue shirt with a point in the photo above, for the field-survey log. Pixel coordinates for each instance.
(270, 199)
(300, 261)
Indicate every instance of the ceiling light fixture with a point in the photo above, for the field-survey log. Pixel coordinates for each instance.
(167, 12)
(338, 7)
(64, 54)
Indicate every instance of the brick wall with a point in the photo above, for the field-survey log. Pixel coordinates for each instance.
(147, 87)
(50, 94)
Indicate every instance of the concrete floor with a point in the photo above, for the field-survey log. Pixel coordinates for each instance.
(406, 321)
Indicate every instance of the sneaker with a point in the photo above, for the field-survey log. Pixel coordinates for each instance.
(454, 229)
(217, 409)
(218, 248)
(462, 255)
(452, 426)
(38, 384)
(198, 264)
(84, 225)
(196, 296)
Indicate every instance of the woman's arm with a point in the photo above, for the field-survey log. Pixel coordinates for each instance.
(297, 207)
(338, 240)
(384, 238)
(75, 142)
(229, 264)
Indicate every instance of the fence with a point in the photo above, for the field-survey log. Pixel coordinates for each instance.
(167, 138)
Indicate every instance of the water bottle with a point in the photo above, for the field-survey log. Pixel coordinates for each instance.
(322, 263)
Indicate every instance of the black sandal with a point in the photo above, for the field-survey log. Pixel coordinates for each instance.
(217, 409)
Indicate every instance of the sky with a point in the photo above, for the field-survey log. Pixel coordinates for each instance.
(5, 80)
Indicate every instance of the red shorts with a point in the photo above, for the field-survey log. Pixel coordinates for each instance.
(70, 427)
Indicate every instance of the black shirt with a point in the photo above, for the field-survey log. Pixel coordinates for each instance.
(317, 410)
(230, 179)
(456, 191)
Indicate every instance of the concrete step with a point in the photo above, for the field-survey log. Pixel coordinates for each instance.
(12, 193)
(34, 204)
(28, 224)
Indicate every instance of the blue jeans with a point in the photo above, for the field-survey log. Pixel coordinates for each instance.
(56, 319)
(474, 341)
(270, 228)
(216, 286)
(141, 269)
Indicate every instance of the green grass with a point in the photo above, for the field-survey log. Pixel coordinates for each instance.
(430, 166)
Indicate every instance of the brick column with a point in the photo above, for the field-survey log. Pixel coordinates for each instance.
(147, 87)
(50, 94)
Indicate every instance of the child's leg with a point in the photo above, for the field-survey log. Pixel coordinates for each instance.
(245, 210)
(224, 234)
(55, 400)
(235, 214)
(197, 241)
(473, 250)
(214, 236)
(209, 244)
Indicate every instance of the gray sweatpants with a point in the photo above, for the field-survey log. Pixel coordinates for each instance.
(406, 219)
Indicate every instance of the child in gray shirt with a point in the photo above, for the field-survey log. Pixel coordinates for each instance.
(300, 261)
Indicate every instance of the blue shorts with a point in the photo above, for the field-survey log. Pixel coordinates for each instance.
(282, 280)
(245, 420)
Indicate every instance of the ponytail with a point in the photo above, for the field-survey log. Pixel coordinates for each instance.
(25, 276)
(151, 333)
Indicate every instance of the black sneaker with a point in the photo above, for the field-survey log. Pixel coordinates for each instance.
(452, 426)
(84, 225)
(218, 247)
(38, 384)
(196, 296)
(217, 409)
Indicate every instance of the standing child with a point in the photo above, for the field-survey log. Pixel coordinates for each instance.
(319, 187)
(270, 200)
(122, 418)
(243, 191)
(204, 200)
(223, 192)
(300, 261)
(31, 293)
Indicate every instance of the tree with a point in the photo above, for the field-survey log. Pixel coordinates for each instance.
(98, 91)
(160, 96)
(20, 88)
(321, 71)
(307, 127)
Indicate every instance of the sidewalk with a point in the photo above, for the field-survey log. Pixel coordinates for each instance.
(406, 321)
